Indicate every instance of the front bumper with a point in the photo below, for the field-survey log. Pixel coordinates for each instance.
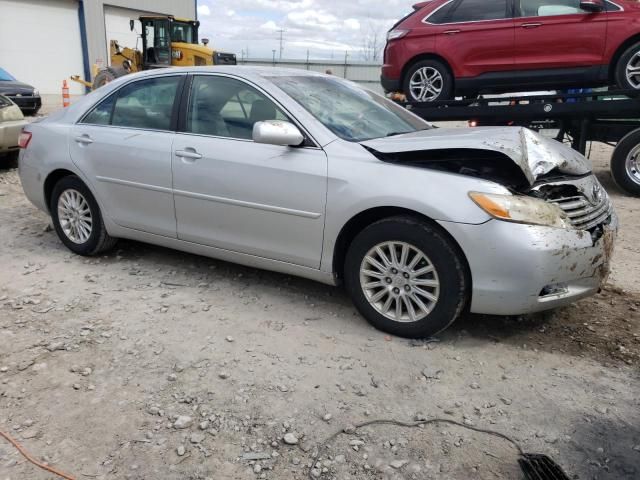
(518, 269)
(28, 104)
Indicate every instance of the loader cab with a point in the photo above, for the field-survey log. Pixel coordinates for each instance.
(158, 36)
(156, 42)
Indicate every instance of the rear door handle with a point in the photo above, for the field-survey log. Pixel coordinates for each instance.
(451, 32)
(531, 25)
(84, 139)
(189, 153)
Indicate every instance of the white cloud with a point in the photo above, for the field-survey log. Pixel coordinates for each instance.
(326, 28)
(352, 23)
(204, 10)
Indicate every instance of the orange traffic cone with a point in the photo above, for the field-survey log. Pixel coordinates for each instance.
(65, 94)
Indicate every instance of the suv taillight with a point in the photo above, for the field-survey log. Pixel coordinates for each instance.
(24, 139)
(396, 33)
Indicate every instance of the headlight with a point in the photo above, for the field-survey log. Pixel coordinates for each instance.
(398, 33)
(517, 209)
(36, 93)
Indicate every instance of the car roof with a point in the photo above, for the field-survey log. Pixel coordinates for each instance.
(240, 70)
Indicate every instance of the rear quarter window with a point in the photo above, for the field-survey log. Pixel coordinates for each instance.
(441, 15)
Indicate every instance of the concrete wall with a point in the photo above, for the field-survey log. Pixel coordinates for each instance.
(94, 18)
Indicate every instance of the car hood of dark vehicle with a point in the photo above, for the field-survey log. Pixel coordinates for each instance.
(534, 154)
(13, 87)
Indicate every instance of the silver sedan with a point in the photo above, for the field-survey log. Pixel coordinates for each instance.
(314, 176)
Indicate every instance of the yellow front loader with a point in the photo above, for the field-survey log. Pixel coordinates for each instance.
(166, 41)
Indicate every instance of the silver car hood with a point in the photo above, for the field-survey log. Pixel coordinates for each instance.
(534, 154)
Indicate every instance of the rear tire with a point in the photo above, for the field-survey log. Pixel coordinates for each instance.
(108, 75)
(77, 218)
(625, 163)
(629, 59)
(415, 292)
(428, 81)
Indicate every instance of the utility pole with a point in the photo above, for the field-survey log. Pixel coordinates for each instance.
(281, 32)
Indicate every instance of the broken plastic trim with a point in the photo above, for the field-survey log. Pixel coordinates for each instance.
(540, 467)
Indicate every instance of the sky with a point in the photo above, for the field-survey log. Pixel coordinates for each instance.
(326, 28)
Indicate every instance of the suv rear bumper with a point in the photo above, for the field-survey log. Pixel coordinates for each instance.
(390, 84)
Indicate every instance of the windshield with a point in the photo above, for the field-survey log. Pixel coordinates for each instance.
(352, 113)
(5, 76)
(182, 32)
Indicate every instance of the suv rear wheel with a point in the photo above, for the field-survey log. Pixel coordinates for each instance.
(628, 69)
(428, 81)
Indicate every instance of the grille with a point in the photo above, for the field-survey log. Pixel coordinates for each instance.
(224, 58)
(584, 214)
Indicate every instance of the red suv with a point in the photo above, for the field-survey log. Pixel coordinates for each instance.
(448, 48)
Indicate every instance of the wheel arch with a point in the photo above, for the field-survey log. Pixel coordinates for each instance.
(426, 56)
(613, 65)
(52, 179)
(367, 217)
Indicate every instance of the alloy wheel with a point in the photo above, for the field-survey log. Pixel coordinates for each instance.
(632, 165)
(633, 71)
(426, 84)
(74, 215)
(399, 281)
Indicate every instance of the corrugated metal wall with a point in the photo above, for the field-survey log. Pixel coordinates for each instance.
(366, 74)
(94, 15)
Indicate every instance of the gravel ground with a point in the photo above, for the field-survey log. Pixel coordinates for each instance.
(148, 363)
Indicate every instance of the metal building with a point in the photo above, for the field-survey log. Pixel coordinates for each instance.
(43, 42)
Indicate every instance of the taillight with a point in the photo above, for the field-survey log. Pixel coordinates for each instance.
(396, 33)
(24, 139)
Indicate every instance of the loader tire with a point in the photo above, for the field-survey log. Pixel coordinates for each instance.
(107, 75)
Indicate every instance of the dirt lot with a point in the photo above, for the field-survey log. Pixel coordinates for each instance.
(153, 364)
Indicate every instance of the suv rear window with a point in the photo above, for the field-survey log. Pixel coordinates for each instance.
(478, 10)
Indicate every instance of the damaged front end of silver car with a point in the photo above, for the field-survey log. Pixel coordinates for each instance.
(519, 159)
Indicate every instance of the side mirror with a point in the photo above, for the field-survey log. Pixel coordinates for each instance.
(277, 132)
(132, 24)
(593, 6)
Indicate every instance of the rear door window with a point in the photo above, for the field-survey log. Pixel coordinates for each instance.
(479, 10)
(146, 104)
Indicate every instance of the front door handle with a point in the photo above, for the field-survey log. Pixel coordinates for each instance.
(531, 25)
(451, 32)
(189, 153)
(84, 139)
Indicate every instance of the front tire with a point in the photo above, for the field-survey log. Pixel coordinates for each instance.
(628, 69)
(625, 163)
(77, 218)
(428, 81)
(406, 277)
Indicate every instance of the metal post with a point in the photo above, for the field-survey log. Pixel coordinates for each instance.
(346, 56)
(308, 59)
(274, 57)
(83, 42)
